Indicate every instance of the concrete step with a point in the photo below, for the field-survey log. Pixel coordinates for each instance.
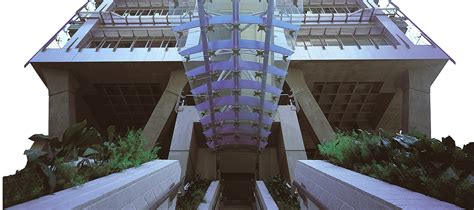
(236, 204)
(236, 208)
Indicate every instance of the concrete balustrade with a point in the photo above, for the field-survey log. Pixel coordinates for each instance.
(211, 198)
(152, 185)
(263, 197)
(322, 185)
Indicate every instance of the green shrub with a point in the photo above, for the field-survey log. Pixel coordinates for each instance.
(432, 167)
(193, 194)
(130, 151)
(282, 193)
(26, 184)
(82, 155)
(348, 149)
(67, 175)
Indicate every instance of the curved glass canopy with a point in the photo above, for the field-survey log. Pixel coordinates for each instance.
(236, 55)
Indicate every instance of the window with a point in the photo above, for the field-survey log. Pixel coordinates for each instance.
(352, 9)
(345, 40)
(141, 12)
(120, 12)
(379, 40)
(363, 40)
(140, 44)
(94, 44)
(300, 43)
(109, 44)
(316, 41)
(170, 43)
(331, 41)
(348, 41)
(340, 10)
(124, 42)
(330, 10)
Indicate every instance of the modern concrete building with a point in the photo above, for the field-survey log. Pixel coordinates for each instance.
(190, 74)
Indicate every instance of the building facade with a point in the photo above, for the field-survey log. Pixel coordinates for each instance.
(190, 75)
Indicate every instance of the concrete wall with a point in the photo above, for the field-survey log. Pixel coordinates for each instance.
(326, 186)
(136, 188)
(264, 199)
(268, 163)
(203, 161)
(183, 143)
(206, 163)
(211, 198)
(290, 144)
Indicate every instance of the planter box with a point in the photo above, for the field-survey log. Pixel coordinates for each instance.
(149, 186)
(264, 198)
(211, 198)
(326, 186)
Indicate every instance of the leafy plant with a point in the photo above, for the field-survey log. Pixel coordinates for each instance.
(82, 155)
(67, 174)
(351, 148)
(432, 167)
(75, 139)
(26, 184)
(130, 152)
(282, 193)
(194, 193)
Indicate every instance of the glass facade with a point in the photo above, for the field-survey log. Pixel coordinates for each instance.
(236, 56)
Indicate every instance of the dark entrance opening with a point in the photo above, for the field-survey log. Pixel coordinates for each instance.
(237, 191)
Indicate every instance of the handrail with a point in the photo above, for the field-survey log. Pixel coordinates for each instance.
(304, 194)
(405, 17)
(56, 34)
(423, 33)
(172, 192)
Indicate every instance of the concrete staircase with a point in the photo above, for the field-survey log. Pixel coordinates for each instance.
(237, 192)
(237, 205)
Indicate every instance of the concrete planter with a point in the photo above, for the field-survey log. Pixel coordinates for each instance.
(150, 186)
(326, 186)
(264, 198)
(211, 198)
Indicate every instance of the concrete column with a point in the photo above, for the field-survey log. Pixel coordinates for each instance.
(310, 106)
(391, 119)
(291, 141)
(416, 114)
(416, 111)
(183, 144)
(164, 107)
(62, 100)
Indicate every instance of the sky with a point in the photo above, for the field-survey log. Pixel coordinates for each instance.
(24, 98)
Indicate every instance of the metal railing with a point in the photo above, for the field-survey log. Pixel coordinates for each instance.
(410, 29)
(182, 15)
(64, 34)
(170, 195)
(129, 43)
(305, 195)
(342, 41)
